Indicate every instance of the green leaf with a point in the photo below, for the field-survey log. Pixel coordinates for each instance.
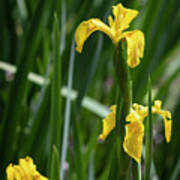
(55, 112)
(55, 167)
(67, 112)
(56, 105)
(148, 145)
(136, 170)
(11, 122)
(123, 78)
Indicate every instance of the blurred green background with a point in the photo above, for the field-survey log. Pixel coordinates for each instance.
(37, 36)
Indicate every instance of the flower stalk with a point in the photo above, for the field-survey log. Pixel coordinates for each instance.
(122, 75)
(148, 147)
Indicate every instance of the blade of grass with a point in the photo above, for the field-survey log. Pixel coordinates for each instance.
(55, 166)
(123, 78)
(36, 123)
(63, 26)
(67, 112)
(88, 103)
(167, 84)
(91, 167)
(17, 96)
(148, 145)
(117, 153)
(95, 61)
(176, 171)
(78, 158)
(136, 170)
(55, 111)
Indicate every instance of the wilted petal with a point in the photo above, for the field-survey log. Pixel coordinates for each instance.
(86, 28)
(135, 47)
(133, 140)
(108, 124)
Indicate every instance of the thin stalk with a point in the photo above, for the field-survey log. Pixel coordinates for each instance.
(122, 74)
(115, 163)
(67, 112)
(136, 170)
(148, 147)
(56, 99)
(56, 86)
(78, 158)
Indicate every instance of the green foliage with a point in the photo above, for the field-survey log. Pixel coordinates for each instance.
(33, 113)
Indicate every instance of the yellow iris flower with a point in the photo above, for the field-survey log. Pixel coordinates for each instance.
(115, 31)
(135, 129)
(26, 170)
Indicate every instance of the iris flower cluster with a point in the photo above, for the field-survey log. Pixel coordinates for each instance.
(135, 128)
(116, 31)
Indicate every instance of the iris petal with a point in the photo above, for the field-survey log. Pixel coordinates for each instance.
(86, 28)
(123, 17)
(133, 140)
(108, 124)
(135, 47)
(166, 115)
(25, 170)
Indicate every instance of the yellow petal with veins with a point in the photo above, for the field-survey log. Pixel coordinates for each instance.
(108, 123)
(86, 28)
(122, 17)
(133, 140)
(25, 170)
(135, 47)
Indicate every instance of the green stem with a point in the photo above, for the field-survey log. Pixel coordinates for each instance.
(55, 111)
(136, 170)
(54, 169)
(122, 73)
(148, 147)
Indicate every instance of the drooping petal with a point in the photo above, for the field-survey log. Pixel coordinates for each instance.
(135, 47)
(108, 124)
(133, 140)
(86, 28)
(168, 127)
(122, 17)
(166, 115)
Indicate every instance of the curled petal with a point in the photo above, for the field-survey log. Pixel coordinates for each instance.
(108, 124)
(122, 17)
(133, 140)
(86, 28)
(135, 47)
